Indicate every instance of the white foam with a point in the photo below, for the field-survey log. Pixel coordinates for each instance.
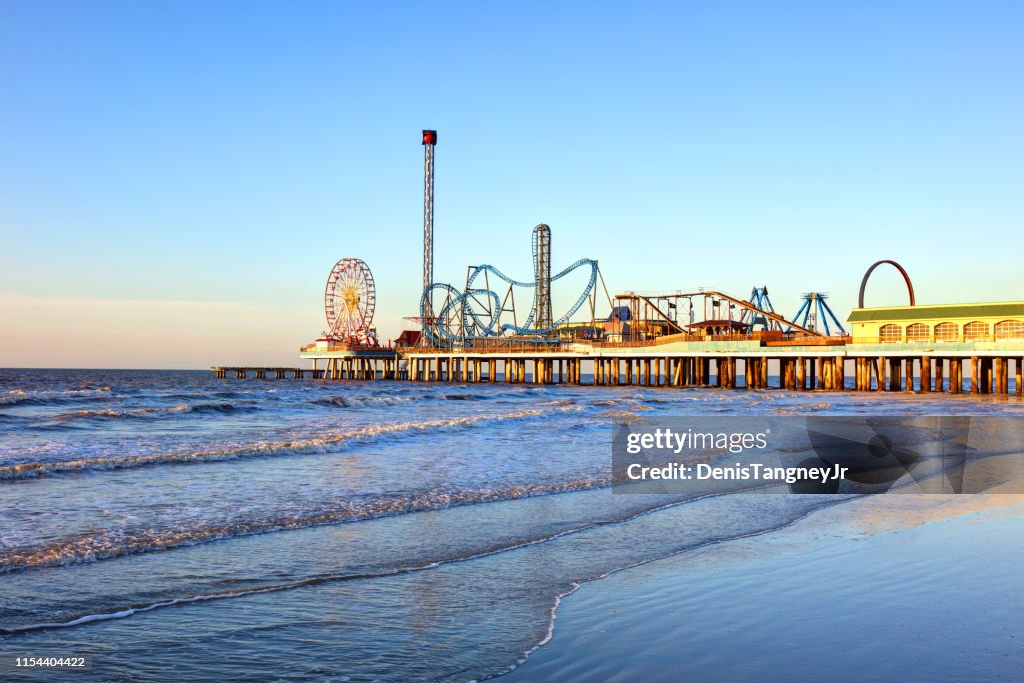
(318, 444)
(120, 614)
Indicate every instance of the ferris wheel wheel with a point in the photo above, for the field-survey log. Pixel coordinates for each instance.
(349, 301)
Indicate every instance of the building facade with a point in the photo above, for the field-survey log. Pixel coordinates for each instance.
(978, 323)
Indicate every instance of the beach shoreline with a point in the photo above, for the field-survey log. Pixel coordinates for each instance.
(751, 608)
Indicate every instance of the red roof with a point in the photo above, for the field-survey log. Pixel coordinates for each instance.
(408, 338)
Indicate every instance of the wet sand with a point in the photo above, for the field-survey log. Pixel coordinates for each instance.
(896, 587)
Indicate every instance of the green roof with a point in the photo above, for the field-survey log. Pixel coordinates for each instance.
(1009, 309)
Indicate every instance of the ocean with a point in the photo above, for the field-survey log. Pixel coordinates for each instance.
(175, 527)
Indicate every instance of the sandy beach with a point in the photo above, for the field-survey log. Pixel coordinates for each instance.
(923, 588)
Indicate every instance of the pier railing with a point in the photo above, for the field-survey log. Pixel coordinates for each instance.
(810, 341)
(341, 346)
(508, 348)
(772, 338)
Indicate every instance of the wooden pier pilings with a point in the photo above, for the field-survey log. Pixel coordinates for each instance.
(836, 372)
(917, 374)
(242, 372)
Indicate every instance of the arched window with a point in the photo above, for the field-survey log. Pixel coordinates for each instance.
(947, 332)
(890, 334)
(976, 331)
(917, 333)
(1010, 329)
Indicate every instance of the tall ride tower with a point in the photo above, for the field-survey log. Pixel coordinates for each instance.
(429, 140)
(542, 276)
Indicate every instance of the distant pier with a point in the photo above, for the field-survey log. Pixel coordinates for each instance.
(242, 372)
(331, 360)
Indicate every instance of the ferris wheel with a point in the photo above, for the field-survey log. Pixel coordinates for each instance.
(349, 300)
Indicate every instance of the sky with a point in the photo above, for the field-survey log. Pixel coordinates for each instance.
(177, 179)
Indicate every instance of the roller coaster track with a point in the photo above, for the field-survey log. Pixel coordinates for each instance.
(672, 323)
(725, 297)
(461, 305)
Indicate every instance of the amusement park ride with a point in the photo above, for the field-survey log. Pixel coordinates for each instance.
(814, 311)
(476, 314)
(479, 312)
(349, 301)
(484, 311)
(649, 316)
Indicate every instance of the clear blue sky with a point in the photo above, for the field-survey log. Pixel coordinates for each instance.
(176, 179)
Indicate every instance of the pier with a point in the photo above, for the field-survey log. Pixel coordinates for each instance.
(242, 372)
(330, 360)
(829, 364)
(951, 348)
(835, 367)
(472, 331)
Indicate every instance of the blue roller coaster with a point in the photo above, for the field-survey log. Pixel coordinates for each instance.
(476, 312)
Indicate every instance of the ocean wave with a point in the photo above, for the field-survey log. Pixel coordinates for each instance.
(128, 611)
(118, 542)
(12, 401)
(227, 394)
(89, 387)
(222, 408)
(42, 397)
(297, 446)
(118, 613)
(203, 394)
(370, 401)
(633, 402)
(113, 413)
(620, 415)
(142, 413)
(802, 409)
(362, 401)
